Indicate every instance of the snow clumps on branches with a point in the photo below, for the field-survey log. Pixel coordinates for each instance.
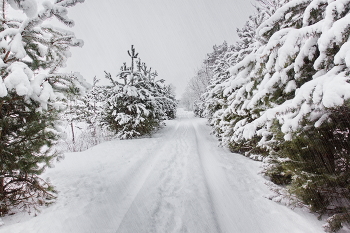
(32, 92)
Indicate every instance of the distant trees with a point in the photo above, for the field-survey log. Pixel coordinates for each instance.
(282, 93)
(32, 93)
(197, 85)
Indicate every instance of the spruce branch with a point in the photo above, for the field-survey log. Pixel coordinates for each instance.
(109, 76)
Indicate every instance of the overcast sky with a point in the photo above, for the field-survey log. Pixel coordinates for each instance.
(172, 36)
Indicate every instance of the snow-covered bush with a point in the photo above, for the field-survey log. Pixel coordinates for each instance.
(85, 137)
(31, 95)
(136, 104)
(83, 117)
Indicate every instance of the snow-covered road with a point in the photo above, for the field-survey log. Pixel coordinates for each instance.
(176, 181)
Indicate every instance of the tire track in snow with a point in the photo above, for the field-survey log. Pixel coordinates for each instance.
(161, 211)
(178, 181)
(237, 192)
(108, 208)
(168, 213)
(140, 176)
(174, 197)
(205, 175)
(229, 204)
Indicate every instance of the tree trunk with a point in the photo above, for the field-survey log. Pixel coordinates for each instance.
(73, 136)
(3, 209)
(3, 11)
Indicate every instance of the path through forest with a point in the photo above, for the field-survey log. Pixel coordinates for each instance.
(177, 181)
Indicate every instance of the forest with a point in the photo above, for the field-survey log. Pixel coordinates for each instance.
(280, 95)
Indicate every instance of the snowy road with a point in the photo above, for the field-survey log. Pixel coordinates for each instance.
(177, 181)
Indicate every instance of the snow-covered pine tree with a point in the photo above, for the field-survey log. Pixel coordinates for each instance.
(136, 102)
(31, 91)
(75, 112)
(169, 102)
(93, 102)
(164, 99)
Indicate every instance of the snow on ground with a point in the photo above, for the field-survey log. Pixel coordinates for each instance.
(176, 181)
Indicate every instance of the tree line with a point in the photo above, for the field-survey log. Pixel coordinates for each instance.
(281, 94)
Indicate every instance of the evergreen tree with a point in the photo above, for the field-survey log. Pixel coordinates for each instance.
(93, 105)
(136, 103)
(75, 112)
(32, 93)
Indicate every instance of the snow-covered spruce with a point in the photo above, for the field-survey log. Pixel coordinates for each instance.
(289, 98)
(31, 95)
(137, 103)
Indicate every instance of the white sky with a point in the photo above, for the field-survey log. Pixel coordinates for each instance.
(171, 36)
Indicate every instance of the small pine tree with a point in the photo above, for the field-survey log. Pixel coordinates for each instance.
(25, 151)
(136, 104)
(32, 94)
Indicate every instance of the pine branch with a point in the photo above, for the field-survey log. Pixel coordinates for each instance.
(6, 56)
(109, 76)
